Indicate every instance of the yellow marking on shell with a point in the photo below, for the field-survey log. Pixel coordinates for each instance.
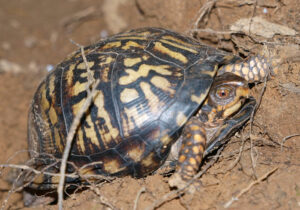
(134, 118)
(148, 161)
(179, 41)
(104, 74)
(80, 140)
(130, 44)
(112, 45)
(39, 179)
(182, 158)
(143, 71)
(58, 142)
(82, 65)
(179, 46)
(90, 131)
(154, 102)
(128, 94)
(70, 75)
(181, 119)
(76, 107)
(166, 139)
(106, 60)
(131, 38)
(176, 55)
(112, 166)
(128, 62)
(78, 88)
(192, 161)
(162, 83)
(52, 115)
(145, 57)
(198, 99)
(102, 113)
(44, 101)
(135, 153)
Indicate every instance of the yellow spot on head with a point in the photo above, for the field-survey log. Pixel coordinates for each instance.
(128, 94)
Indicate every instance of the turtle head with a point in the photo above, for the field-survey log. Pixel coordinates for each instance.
(227, 95)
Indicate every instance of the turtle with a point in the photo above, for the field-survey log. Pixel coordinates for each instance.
(161, 96)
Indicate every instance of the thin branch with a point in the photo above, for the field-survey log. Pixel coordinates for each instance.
(142, 190)
(286, 138)
(69, 141)
(243, 191)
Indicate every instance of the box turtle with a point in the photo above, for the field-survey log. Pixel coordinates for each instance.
(157, 89)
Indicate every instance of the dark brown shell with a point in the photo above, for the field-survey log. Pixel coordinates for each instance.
(151, 82)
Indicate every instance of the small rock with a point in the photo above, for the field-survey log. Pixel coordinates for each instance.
(7, 66)
(30, 42)
(6, 46)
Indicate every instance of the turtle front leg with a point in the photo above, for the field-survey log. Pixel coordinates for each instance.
(190, 154)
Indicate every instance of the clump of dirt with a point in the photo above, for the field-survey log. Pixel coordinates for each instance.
(35, 36)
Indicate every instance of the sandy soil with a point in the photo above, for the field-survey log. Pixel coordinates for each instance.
(36, 34)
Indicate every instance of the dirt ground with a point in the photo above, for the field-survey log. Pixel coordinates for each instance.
(35, 35)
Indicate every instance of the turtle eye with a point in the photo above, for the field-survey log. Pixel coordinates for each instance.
(223, 93)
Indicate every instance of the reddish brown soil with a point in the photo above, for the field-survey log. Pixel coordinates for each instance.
(35, 33)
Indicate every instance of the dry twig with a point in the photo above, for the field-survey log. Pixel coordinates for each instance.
(243, 191)
(286, 138)
(142, 190)
(91, 95)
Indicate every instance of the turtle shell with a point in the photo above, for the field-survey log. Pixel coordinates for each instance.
(151, 82)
